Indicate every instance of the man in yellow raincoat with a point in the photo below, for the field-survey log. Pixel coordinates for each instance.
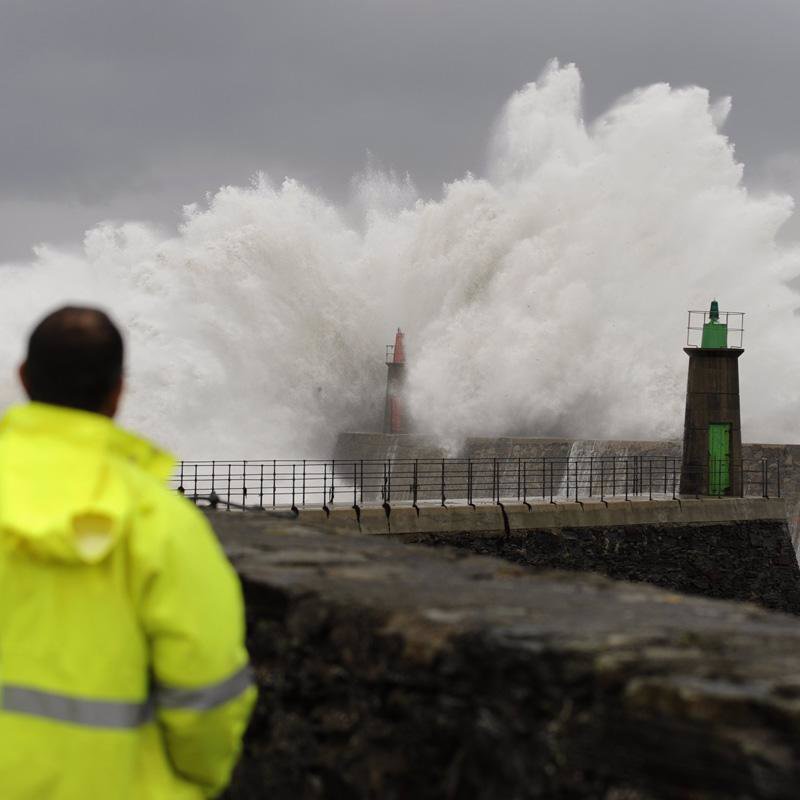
(123, 672)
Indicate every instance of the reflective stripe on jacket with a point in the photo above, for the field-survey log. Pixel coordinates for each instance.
(123, 672)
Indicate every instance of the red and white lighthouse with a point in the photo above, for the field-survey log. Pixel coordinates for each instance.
(394, 418)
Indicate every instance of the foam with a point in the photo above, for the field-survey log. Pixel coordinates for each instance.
(546, 297)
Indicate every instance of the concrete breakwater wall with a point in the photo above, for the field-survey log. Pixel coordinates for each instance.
(408, 446)
(393, 671)
(354, 446)
(729, 548)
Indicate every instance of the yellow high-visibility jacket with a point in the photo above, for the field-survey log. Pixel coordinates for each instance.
(123, 672)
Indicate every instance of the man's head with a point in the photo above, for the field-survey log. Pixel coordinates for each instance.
(75, 359)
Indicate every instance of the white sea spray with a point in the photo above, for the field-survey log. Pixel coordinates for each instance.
(546, 296)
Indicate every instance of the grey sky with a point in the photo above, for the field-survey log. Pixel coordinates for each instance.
(130, 109)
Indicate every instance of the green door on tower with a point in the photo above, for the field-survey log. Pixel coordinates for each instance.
(719, 458)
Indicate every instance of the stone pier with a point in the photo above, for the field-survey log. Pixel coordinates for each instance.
(394, 671)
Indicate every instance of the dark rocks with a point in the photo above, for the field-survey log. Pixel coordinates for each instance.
(392, 671)
(747, 560)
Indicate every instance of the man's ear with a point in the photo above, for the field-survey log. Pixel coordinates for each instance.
(112, 401)
(23, 377)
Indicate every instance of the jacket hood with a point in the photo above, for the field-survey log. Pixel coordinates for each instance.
(66, 487)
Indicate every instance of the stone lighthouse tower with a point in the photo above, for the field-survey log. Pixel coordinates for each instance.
(712, 438)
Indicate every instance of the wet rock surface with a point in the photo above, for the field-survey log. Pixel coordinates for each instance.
(394, 671)
(748, 560)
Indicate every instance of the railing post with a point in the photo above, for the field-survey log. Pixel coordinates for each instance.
(416, 479)
(362, 482)
(355, 484)
(674, 478)
(626, 478)
(195, 484)
(443, 497)
(228, 494)
(519, 479)
(665, 475)
(333, 480)
(495, 487)
(577, 461)
(244, 483)
(274, 481)
(602, 479)
(213, 476)
(650, 482)
(778, 467)
(389, 483)
(525, 482)
(304, 483)
(591, 474)
(324, 484)
(544, 478)
(614, 475)
(551, 481)
(294, 478)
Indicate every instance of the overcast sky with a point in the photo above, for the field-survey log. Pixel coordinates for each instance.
(130, 109)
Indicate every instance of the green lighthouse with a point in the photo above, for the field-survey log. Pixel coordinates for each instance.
(712, 439)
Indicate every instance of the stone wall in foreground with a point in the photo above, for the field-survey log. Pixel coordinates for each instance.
(394, 671)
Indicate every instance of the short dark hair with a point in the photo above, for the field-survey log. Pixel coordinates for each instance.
(74, 358)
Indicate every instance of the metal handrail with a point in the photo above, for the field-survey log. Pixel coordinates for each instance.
(734, 320)
(324, 483)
